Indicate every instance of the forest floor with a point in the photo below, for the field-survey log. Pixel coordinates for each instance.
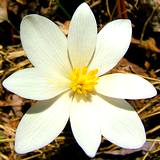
(142, 58)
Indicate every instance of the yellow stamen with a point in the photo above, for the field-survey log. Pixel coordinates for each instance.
(83, 81)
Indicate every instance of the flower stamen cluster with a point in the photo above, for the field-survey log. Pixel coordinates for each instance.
(83, 81)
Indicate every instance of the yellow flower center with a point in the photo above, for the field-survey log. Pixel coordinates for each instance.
(83, 81)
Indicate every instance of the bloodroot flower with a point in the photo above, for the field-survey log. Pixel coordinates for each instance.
(69, 79)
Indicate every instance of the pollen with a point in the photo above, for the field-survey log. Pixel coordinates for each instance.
(83, 81)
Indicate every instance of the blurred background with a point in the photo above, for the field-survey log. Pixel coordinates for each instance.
(142, 58)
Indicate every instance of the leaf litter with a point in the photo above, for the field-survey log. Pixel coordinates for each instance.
(146, 48)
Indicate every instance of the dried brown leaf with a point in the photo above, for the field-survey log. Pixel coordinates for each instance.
(125, 66)
(3, 10)
(149, 44)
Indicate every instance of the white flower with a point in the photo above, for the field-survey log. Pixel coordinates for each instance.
(68, 75)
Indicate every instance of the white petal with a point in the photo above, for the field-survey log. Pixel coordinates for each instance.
(30, 83)
(85, 126)
(125, 86)
(44, 44)
(43, 122)
(120, 124)
(82, 36)
(112, 43)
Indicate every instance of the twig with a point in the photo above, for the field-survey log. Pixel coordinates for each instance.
(3, 156)
(95, 3)
(108, 10)
(31, 157)
(147, 105)
(150, 115)
(147, 21)
(153, 129)
(114, 9)
(152, 140)
(63, 9)
(146, 155)
(6, 140)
